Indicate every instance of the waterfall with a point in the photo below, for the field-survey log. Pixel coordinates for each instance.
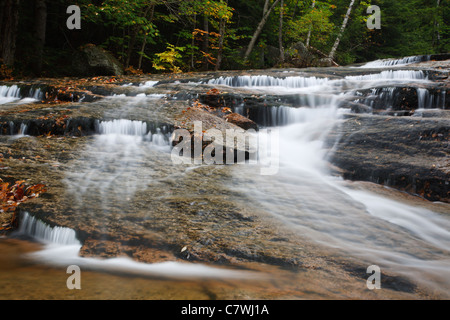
(428, 100)
(62, 249)
(268, 81)
(13, 94)
(9, 94)
(148, 84)
(21, 132)
(123, 127)
(379, 98)
(307, 198)
(36, 229)
(274, 116)
(36, 94)
(158, 136)
(391, 75)
(396, 62)
(23, 129)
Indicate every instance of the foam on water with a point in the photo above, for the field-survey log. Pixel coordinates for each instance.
(32, 227)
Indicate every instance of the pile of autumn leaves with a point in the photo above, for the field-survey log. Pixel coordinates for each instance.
(11, 196)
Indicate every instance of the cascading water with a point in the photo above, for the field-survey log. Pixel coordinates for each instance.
(62, 249)
(268, 81)
(396, 62)
(408, 240)
(32, 227)
(428, 100)
(12, 94)
(126, 157)
(117, 152)
(391, 75)
(271, 116)
(109, 176)
(9, 94)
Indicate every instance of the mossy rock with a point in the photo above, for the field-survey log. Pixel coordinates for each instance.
(90, 60)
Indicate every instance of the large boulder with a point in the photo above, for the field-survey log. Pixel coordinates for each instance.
(90, 60)
(299, 56)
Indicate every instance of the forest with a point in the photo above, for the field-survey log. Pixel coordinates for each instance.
(154, 36)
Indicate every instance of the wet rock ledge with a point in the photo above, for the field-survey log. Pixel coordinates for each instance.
(411, 154)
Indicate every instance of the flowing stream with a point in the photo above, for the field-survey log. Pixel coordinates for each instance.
(303, 195)
(127, 156)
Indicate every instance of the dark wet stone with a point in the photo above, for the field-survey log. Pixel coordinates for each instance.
(409, 154)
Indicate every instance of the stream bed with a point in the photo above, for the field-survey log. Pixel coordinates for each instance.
(351, 170)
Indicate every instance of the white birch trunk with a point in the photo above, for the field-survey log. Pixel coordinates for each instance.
(259, 30)
(344, 25)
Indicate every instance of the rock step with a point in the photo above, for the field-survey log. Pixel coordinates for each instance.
(65, 126)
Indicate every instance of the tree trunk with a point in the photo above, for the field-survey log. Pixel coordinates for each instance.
(134, 33)
(144, 43)
(221, 38)
(206, 42)
(436, 26)
(194, 25)
(294, 12)
(9, 17)
(40, 31)
(344, 25)
(308, 38)
(266, 7)
(280, 32)
(259, 30)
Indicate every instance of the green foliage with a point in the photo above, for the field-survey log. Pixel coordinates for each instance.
(169, 59)
(136, 30)
(316, 20)
(128, 19)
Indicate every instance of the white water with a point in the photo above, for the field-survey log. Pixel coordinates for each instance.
(431, 101)
(392, 75)
(304, 196)
(268, 81)
(11, 94)
(123, 127)
(62, 250)
(149, 84)
(395, 62)
(400, 238)
(108, 171)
